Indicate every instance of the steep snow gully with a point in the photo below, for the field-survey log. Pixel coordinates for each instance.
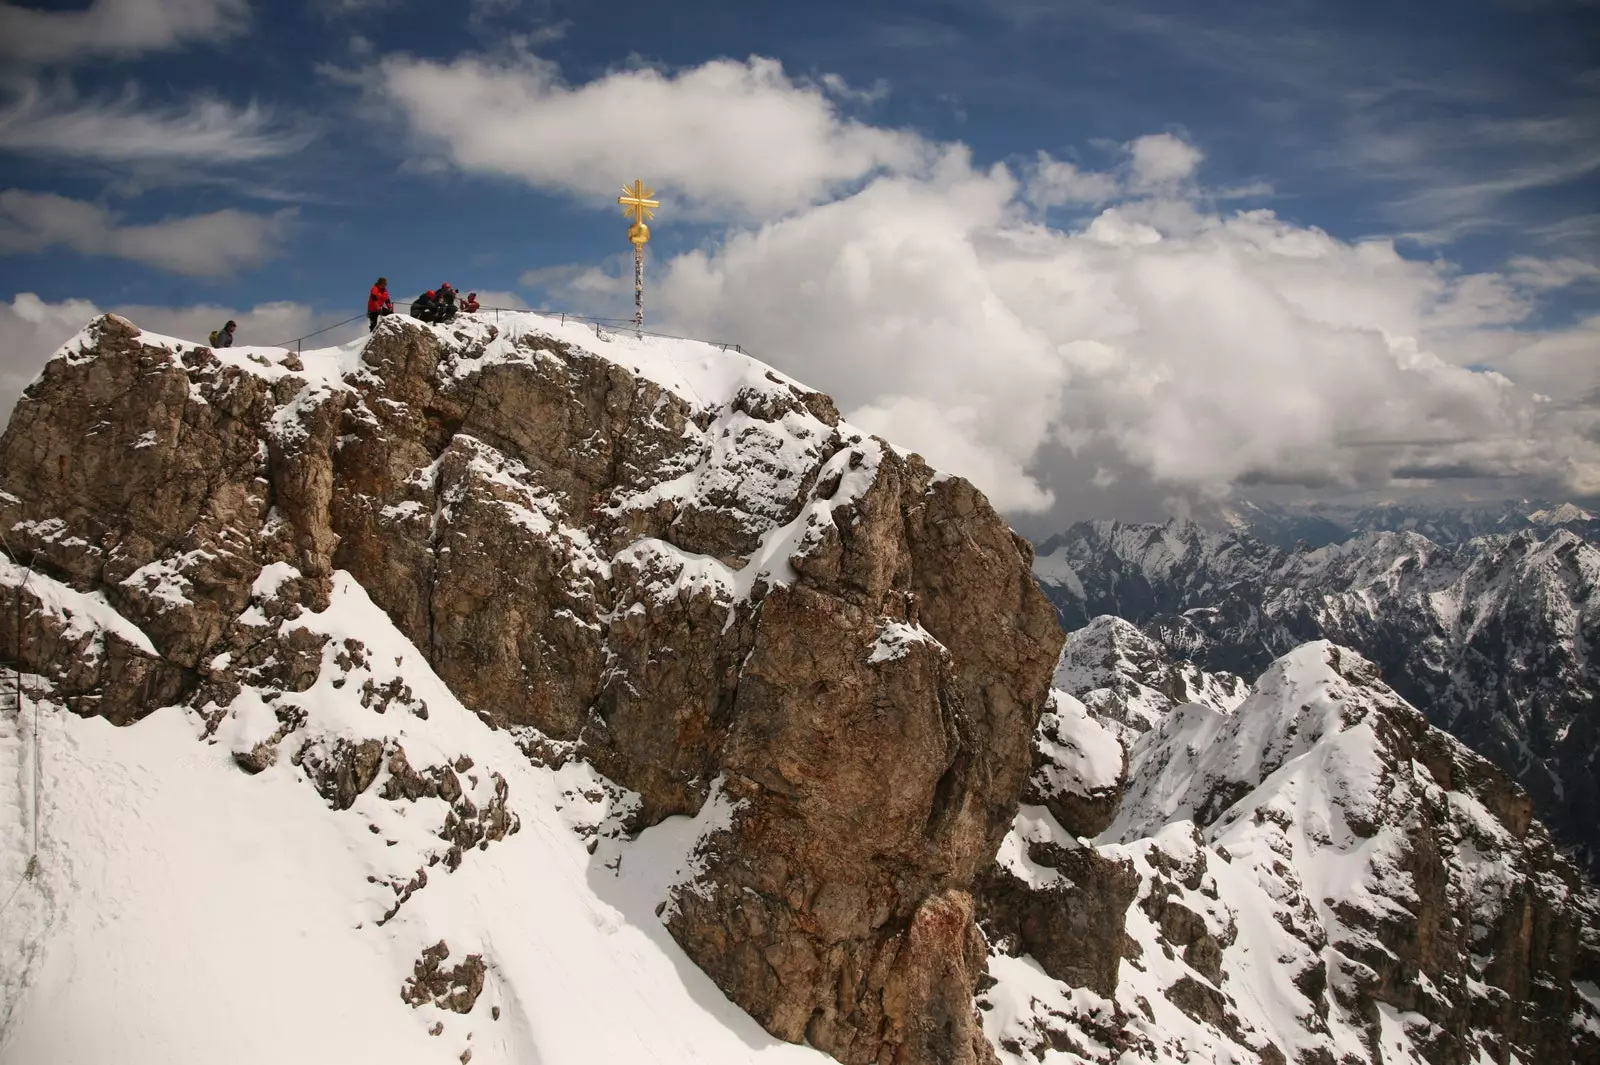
(513, 694)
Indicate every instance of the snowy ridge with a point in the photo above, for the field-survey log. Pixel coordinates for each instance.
(1289, 860)
(1127, 678)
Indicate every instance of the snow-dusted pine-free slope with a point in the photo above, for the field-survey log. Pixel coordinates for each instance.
(189, 912)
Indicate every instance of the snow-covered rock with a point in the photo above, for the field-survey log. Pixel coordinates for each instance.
(1315, 875)
(593, 696)
(1128, 678)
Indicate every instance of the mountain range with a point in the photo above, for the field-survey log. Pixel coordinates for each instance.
(1491, 637)
(525, 692)
(1323, 523)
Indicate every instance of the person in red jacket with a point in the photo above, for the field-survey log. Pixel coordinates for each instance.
(470, 304)
(378, 303)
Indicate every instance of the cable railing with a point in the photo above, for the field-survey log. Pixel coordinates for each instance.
(618, 325)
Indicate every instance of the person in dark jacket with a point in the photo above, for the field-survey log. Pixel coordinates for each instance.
(223, 338)
(378, 303)
(424, 306)
(445, 303)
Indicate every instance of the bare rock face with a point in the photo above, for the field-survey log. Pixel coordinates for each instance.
(708, 591)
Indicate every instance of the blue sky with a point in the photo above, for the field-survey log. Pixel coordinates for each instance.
(216, 156)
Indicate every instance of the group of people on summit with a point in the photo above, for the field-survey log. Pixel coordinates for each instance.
(435, 305)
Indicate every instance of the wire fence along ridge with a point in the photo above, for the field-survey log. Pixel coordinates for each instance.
(621, 325)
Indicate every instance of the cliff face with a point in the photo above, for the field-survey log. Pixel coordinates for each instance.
(668, 562)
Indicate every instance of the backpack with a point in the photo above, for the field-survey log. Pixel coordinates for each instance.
(213, 338)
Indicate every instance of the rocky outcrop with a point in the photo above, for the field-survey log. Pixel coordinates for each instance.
(455, 989)
(705, 586)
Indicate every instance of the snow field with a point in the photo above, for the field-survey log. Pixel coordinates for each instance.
(202, 914)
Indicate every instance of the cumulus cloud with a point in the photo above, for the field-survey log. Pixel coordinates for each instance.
(55, 121)
(206, 245)
(115, 27)
(1162, 347)
(728, 138)
(32, 329)
(1163, 343)
(1054, 183)
(1161, 159)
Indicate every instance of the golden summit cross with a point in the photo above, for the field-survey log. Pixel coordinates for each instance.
(637, 204)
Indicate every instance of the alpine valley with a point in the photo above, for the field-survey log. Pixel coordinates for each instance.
(532, 693)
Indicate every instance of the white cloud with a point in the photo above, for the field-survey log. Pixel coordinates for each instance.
(730, 138)
(1054, 183)
(1192, 350)
(214, 244)
(1552, 273)
(57, 122)
(32, 329)
(1160, 159)
(115, 27)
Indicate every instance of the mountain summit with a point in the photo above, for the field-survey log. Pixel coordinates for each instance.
(530, 693)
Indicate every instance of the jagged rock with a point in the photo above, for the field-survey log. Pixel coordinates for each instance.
(455, 989)
(342, 770)
(1080, 767)
(1071, 920)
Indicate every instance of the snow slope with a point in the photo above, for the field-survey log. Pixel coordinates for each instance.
(181, 898)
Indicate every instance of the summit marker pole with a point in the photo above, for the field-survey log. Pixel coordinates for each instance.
(638, 286)
(637, 204)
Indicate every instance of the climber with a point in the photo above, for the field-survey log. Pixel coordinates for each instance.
(423, 307)
(223, 338)
(470, 304)
(378, 303)
(445, 308)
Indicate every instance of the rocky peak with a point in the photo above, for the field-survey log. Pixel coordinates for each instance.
(653, 558)
(1314, 875)
(1127, 677)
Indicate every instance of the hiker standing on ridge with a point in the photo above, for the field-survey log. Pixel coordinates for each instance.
(378, 303)
(470, 304)
(223, 338)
